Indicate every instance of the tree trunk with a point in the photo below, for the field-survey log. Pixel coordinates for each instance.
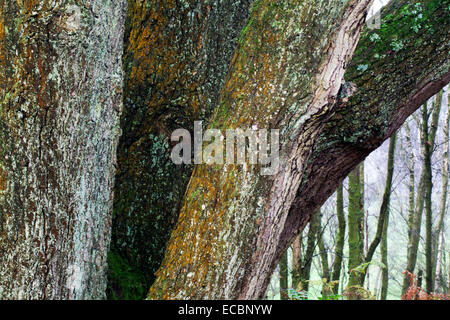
(284, 277)
(355, 231)
(339, 252)
(384, 260)
(384, 209)
(309, 253)
(430, 136)
(60, 101)
(383, 220)
(323, 257)
(176, 58)
(272, 49)
(235, 224)
(443, 204)
(296, 261)
(427, 146)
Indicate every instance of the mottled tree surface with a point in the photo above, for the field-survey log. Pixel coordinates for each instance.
(286, 71)
(60, 99)
(176, 58)
(235, 224)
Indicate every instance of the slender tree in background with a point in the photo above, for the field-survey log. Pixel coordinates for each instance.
(443, 205)
(284, 277)
(296, 272)
(383, 219)
(339, 251)
(384, 260)
(415, 222)
(60, 101)
(384, 208)
(430, 135)
(355, 231)
(307, 257)
(323, 252)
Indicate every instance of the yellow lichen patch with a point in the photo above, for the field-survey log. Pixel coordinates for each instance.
(2, 40)
(3, 180)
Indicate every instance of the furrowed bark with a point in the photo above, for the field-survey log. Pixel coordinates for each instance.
(285, 74)
(176, 58)
(60, 101)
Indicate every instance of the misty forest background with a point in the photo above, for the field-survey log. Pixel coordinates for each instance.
(387, 267)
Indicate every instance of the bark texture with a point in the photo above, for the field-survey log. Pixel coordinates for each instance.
(60, 101)
(235, 224)
(287, 69)
(176, 58)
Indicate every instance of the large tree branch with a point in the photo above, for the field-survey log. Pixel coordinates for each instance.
(394, 71)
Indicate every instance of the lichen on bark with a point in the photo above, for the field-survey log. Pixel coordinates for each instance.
(285, 73)
(60, 100)
(176, 57)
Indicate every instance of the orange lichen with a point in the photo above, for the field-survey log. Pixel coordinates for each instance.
(2, 40)
(3, 180)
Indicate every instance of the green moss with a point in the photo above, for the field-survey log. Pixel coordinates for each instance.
(125, 282)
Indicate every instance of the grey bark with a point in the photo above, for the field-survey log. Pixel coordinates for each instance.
(60, 101)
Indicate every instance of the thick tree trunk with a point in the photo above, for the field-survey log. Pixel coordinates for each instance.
(235, 224)
(176, 58)
(60, 101)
